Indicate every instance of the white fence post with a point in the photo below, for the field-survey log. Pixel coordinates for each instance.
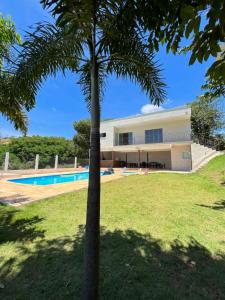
(36, 162)
(6, 166)
(56, 161)
(75, 162)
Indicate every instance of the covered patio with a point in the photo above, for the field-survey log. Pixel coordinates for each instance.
(133, 157)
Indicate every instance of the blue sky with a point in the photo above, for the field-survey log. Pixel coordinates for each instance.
(60, 102)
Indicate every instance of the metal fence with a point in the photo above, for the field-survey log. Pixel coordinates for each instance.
(10, 162)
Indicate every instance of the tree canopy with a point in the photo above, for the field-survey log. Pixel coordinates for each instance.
(82, 138)
(207, 119)
(198, 24)
(160, 22)
(8, 38)
(51, 48)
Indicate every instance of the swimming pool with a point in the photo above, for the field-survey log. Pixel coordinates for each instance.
(53, 179)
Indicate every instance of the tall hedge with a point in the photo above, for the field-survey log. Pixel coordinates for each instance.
(24, 149)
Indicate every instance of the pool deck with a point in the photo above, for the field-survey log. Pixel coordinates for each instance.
(19, 194)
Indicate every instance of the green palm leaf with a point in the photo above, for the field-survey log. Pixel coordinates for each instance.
(12, 107)
(45, 52)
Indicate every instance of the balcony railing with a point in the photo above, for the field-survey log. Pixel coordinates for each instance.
(138, 140)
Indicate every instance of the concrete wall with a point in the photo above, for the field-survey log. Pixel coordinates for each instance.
(179, 163)
(107, 141)
(199, 153)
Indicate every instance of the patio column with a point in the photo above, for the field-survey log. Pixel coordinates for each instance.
(113, 158)
(75, 162)
(139, 159)
(36, 162)
(6, 165)
(126, 159)
(56, 161)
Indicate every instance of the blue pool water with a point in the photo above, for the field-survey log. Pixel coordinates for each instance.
(52, 179)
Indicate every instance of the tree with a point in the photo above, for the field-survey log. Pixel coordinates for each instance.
(202, 23)
(82, 138)
(11, 107)
(94, 39)
(8, 37)
(24, 149)
(215, 82)
(207, 118)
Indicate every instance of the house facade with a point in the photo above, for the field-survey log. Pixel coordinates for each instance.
(157, 140)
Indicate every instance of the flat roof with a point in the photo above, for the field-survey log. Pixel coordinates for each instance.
(149, 114)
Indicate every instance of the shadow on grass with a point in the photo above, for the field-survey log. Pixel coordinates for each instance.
(133, 266)
(12, 230)
(219, 205)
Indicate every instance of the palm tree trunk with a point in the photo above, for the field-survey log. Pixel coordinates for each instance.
(92, 235)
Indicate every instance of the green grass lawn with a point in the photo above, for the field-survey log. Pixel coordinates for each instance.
(163, 237)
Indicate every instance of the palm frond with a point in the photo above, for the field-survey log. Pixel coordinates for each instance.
(18, 117)
(45, 52)
(146, 74)
(129, 55)
(136, 62)
(10, 107)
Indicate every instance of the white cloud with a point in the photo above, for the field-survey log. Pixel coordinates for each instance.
(150, 108)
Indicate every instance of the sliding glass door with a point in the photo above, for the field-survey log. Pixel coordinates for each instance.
(126, 138)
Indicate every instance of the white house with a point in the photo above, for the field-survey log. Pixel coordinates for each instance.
(156, 140)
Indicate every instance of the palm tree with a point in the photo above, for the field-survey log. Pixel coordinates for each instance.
(93, 39)
(12, 106)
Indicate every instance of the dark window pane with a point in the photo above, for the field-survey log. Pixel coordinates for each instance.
(153, 136)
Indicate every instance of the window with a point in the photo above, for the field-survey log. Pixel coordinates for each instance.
(154, 136)
(186, 155)
(126, 138)
(103, 134)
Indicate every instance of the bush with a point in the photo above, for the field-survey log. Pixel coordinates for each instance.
(23, 151)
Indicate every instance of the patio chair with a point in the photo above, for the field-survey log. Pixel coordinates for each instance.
(143, 164)
(152, 164)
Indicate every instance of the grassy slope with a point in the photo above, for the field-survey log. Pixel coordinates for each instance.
(163, 237)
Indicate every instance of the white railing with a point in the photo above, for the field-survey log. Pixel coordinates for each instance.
(138, 140)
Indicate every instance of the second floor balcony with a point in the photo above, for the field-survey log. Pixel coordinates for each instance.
(150, 137)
